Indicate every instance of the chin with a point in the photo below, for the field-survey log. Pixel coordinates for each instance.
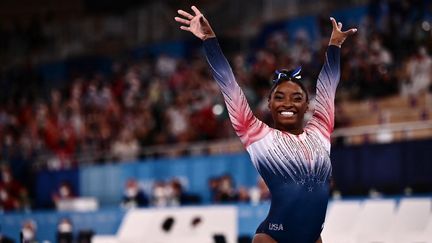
(288, 122)
(288, 125)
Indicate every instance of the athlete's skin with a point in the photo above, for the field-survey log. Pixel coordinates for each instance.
(293, 160)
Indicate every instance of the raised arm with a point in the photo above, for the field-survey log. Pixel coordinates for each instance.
(328, 79)
(245, 124)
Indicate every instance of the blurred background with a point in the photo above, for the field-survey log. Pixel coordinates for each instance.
(106, 106)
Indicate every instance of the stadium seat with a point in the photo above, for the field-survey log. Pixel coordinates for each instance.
(180, 225)
(424, 236)
(374, 220)
(340, 220)
(411, 218)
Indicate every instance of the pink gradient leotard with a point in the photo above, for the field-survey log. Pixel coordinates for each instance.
(296, 168)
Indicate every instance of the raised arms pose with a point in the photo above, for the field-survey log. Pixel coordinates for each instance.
(293, 160)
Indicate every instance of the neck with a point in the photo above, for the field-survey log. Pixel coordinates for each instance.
(292, 130)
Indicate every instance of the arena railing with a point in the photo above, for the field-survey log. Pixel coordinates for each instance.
(380, 133)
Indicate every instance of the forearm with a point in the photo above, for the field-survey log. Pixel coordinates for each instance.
(329, 76)
(331, 68)
(246, 125)
(328, 79)
(219, 65)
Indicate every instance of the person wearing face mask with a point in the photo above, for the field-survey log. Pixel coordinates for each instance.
(65, 231)
(28, 232)
(133, 196)
(64, 192)
(292, 158)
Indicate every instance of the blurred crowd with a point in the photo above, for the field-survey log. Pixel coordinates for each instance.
(13, 194)
(161, 194)
(104, 119)
(174, 193)
(136, 194)
(100, 118)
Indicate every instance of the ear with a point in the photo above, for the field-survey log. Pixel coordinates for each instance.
(268, 103)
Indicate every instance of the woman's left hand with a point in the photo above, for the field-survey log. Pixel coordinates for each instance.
(196, 24)
(338, 36)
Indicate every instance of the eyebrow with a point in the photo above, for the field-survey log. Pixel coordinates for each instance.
(292, 94)
(298, 93)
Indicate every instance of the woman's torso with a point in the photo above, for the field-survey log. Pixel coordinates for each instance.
(296, 169)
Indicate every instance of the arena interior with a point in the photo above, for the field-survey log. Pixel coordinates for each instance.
(113, 130)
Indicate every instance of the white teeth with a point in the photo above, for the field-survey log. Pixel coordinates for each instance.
(287, 113)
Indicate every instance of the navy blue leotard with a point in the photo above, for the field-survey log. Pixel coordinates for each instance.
(296, 168)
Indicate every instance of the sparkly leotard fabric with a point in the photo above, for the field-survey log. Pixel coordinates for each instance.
(296, 168)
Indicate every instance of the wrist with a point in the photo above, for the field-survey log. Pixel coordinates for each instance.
(335, 43)
(206, 37)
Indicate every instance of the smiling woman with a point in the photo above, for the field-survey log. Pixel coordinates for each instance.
(293, 160)
(288, 101)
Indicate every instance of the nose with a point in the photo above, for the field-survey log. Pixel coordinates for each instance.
(287, 103)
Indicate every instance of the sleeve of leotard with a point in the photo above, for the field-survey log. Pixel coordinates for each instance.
(245, 124)
(323, 116)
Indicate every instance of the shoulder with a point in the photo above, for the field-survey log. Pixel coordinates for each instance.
(318, 138)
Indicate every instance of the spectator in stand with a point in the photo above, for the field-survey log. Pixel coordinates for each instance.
(126, 147)
(180, 197)
(65, 231)
(260, 193)
(226, 191)
(7, 202)
(58, 133)
(419, 71)
(243, 194)
(13, 195)
(213, 185)
(160, 194)
(64, 192)
(28, 231)
(172, 193)
(134, 196)
(177, 117)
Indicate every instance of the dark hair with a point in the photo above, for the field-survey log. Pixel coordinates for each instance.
(283, 75)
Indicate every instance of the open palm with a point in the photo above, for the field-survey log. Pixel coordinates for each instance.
(338, 36)
(196, 24)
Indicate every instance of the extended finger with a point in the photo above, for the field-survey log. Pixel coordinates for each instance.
(185, 14)
(339, 25)
(183, 21)
(185, 28)
(196, 11)
(333, 22)
(350, 31)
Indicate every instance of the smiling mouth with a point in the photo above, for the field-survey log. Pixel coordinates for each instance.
(287, 113)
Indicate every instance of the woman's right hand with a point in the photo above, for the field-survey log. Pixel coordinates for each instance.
(338, 36)
(197, 25)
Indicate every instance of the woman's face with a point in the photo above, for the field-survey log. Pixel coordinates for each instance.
(288, 104)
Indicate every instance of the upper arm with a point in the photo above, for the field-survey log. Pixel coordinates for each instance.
(328, 79)
(246, 125)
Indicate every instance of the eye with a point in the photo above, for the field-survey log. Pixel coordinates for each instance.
(278, 97)
(298, 98)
